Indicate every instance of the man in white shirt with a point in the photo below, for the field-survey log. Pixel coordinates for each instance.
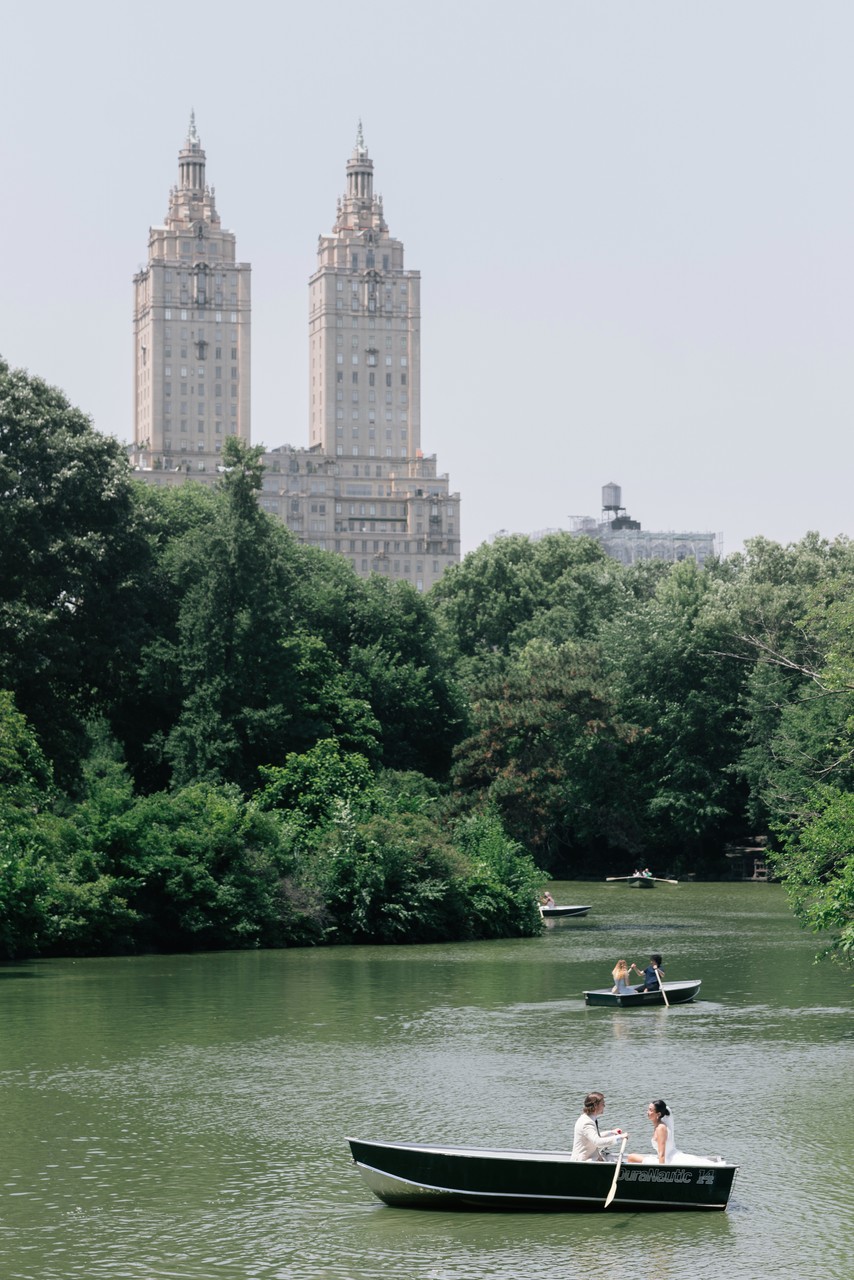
(588, 1141)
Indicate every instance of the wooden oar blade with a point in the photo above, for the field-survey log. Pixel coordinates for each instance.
(613, 1191)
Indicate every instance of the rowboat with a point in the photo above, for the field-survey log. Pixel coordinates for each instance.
(562, 913)
(411, 1176)
(677, 993)
(642, 882)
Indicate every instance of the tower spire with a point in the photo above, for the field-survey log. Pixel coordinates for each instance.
(191, 160)
(360, 149)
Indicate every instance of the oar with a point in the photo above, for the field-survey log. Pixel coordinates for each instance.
(664, 880)
(661, 986)
(619, 878)
(613, 1190)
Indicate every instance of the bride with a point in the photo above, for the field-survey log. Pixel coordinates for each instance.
(663, 1141)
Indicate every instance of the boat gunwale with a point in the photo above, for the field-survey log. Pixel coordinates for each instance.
(492, 1153)
(677, 985)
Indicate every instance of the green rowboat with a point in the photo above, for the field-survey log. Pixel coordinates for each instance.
(411, 1176)
(677, 993)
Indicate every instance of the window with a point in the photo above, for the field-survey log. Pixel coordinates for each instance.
(339, 284)
(167, 314)
(183, 315)
(234, 317)
(354, 259)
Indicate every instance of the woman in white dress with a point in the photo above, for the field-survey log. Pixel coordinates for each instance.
(620, 974)
(663, 1140)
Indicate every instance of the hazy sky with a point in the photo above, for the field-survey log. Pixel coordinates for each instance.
(634, 221)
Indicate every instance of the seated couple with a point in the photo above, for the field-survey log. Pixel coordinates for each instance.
(592, 1143)
(652, 975)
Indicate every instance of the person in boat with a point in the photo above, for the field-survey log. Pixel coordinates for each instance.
(652, 974)
(664, 1140)
(547, 900)
(646, 873)
(620, 974)
(589, 1142)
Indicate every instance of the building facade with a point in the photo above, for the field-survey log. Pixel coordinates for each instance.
(623, 539)
(363, 487)
(191, 330)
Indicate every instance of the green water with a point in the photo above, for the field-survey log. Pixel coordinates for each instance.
(183, 1117)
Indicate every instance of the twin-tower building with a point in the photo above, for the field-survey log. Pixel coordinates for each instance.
(363, 487)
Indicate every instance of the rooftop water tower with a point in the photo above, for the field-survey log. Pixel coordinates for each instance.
(612, 497)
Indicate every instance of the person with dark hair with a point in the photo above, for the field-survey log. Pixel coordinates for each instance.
(652, 974)
(663, 1140)
(589, 1142)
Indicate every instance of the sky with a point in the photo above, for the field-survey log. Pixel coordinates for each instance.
(634, 223)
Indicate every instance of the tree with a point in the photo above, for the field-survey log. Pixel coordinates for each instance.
(816, 861)
(234, 584)
(73, 552)
(395, 663)
(544, 752)
(513, 589)
(669, 678)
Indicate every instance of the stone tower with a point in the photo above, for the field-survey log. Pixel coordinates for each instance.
(191, 329)
(393, 514)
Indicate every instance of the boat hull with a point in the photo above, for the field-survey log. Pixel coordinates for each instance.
(677, 993)
(412, 1176)
(562, 913)
(640, 882)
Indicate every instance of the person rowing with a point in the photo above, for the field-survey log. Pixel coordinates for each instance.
(653, 974)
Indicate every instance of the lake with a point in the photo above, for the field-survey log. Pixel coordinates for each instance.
(184, 1117)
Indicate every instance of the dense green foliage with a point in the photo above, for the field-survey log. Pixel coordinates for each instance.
(211, 736)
